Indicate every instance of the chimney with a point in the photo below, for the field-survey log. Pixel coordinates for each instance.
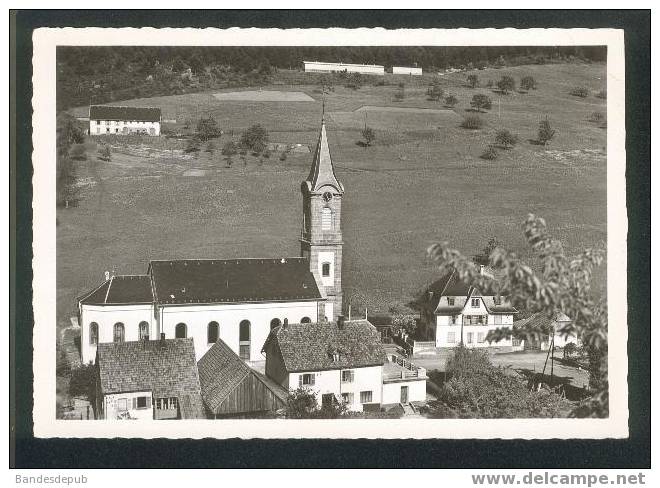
(162, 336)
(107, 275)
(340, 322)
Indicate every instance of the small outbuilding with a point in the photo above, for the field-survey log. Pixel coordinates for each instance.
(231, 388)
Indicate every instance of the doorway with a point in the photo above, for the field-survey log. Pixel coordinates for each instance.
(404, 394)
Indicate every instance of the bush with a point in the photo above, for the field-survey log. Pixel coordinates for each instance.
(435, 91)
(255, 138)
(489, 154)
(473, 81)
(506, 84)
(229, 149)
(302, 404)
(83, 382)
(481, 102)
(546, 133)
(207, 129)
(506, 138)
(369, 135)
(451, 101)
(472, 122)
(580, 91)
(105, 154)
(528, 83)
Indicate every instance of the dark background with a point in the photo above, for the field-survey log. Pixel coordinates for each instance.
(28, 452)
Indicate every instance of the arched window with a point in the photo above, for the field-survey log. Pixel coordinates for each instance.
(305, 320)
(118, 333)
(326, 218)
(144, 330)
(275, 323)
(325, 269)
(180, 331)
(212, 332)
(244, 340)
(94, 333)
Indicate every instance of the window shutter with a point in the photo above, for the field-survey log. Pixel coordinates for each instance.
(134, 403)
(313, 379)
(300, 381)
(148, 402)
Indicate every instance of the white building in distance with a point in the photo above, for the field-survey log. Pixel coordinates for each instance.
(104, 120)
(365, 69)
(404, 70)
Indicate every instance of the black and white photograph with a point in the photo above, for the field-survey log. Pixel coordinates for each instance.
(240, 233)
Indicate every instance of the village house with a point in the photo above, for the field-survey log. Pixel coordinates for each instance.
(236, 300)
(341, 362)
(231, 388)
(321, 67)
(148, 380)
(105, 119)
(457, 313)
(553, 327)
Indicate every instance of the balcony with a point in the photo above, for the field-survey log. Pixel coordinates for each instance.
(397, 369)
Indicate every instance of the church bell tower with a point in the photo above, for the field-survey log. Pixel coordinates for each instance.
(321, 240)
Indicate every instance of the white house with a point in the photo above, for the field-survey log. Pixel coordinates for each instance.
(551, 326)
(464, 315)
(104, 120)
(236, 300)
(321, 67)
(341, 362)
(405, 70)
(148, 380)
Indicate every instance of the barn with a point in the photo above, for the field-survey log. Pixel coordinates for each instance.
(104, 119)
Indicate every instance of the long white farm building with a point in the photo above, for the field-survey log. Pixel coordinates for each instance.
(405, 70)
(366, 69)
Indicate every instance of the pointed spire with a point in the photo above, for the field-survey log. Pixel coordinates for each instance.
(322, 172)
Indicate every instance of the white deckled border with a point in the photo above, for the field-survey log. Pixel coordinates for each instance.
(44, 285)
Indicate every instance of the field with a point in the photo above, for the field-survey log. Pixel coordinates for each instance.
(422, 181)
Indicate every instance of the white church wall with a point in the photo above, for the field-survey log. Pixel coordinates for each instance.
(106, 316)
(229, 316)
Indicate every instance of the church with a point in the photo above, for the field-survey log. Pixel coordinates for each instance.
(237, 300)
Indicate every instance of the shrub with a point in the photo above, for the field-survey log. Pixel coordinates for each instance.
(83, 382)
(481, 102)
(473, 81)
(105, 154)
(472, 122)
(489, 154)
(528, 83)
(506, 84)
(207, 128)
(506, 138)
(580, 91)
(302, 404)
(255, 138)
(369, 135)
(451, 101)
(435, 91)
(546, 133)
(602, 94)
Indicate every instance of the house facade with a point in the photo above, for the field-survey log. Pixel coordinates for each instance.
(321, 67)
(236, 300)
(553, 328)
(148, 380)
(105, 120)
(405, 70)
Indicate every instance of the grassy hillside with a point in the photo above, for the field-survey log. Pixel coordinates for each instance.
(421, 182)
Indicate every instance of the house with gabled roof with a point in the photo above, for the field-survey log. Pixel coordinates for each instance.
(459, 313)
(231, 388)
(107, 119)
(236, 300)
(148, 380)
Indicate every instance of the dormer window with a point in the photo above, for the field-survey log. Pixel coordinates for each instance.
(325, 269)
(475, 303)
(450, 302)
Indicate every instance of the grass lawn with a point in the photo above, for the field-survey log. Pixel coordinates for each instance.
(422, 181)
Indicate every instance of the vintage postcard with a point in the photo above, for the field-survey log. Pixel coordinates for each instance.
(266, 233)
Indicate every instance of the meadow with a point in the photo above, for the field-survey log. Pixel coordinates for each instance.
(421, 181)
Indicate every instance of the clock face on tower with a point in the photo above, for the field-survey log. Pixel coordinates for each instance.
(327, 196)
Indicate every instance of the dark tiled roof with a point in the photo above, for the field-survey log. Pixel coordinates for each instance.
(450, 310)
(452, 286)
(142, 114)
(167, 368)
(221, 371)
(125, 289)
(233, 280)
(541, 321)
(308, 347)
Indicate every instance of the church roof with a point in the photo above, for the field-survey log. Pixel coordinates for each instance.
(121, 290)
(233, 280)
(322, 172)
(310, 347)
(165, 367)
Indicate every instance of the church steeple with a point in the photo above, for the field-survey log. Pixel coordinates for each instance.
(321, 237)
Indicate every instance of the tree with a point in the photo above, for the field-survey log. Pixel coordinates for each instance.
(302, 403)
(473, 81)
(255, 138)
(570, 349)
(481, 102)
(489, 154)
(104, 152)
(451, 101)
(404, 322)
(562, 283)
(435, 91)
(506, 84)
(472, 122)
(506, 138)
(83, 382)
(546, 133)
(368, 135)
(207, 128)
(528, 83)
